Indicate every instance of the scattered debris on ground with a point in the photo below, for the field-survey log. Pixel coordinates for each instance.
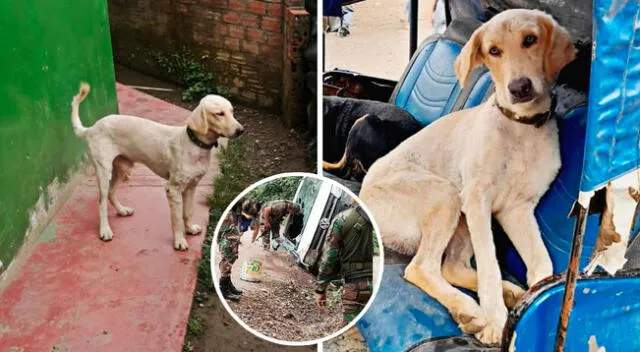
(282, 304)
(350, 341)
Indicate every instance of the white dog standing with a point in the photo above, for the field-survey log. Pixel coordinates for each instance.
(435, 194)
(178, 154)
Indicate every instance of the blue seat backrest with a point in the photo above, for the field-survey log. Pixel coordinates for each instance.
(429, 88)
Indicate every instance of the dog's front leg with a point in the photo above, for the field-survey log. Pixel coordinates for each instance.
(521, 227)
(174, 194)
(478, 214)
(188, 198)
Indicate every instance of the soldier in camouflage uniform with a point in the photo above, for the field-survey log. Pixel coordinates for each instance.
(271, 215)
(228, 242)
(348, 254)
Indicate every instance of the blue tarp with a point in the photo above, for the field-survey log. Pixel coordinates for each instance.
(613, 128)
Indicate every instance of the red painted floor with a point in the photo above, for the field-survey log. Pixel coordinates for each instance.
(76, 293)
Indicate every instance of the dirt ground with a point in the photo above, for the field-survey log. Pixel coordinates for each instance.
(275, 149)
(282, 305)
(350, 341)
(379, 42)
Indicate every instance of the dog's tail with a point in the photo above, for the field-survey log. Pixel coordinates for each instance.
(78, 128)
(336, 166)
(342, 166)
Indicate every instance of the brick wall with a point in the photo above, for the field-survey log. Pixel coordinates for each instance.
(241, 41)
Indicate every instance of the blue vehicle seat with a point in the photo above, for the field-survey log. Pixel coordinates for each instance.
(429, 89)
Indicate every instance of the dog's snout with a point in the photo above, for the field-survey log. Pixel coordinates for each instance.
(239, 132)
(521, 90)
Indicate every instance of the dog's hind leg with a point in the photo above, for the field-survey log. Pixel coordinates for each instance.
(103, 174)
(457, 269)
(425, 270)
(418, 214)
(121, 173)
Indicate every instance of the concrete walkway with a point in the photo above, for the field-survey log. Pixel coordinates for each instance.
(73, 292)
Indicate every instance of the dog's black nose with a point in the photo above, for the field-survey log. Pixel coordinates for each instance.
(521, 90)
(239, 132)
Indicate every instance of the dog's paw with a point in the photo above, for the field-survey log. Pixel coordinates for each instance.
(470, 317)
(106, 234)
(193, 229)
(512, 295)
(125, 211)
(491, 334)
(180, 244)
(470, 324)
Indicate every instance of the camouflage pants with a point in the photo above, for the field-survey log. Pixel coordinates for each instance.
(229, 251)
(275, 231)
(355, 295)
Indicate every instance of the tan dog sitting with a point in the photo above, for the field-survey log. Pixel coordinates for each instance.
(178, 154)
(434, 195)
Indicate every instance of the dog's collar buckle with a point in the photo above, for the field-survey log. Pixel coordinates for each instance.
(198, 142)
(538, 120)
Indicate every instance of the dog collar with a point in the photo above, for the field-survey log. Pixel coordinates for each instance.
(537, 120)
(198, 142)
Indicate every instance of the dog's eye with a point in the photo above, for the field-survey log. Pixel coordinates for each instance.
(494, 51)
(529, 40)
(221, 113)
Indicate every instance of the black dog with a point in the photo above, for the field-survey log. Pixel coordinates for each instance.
(363, 131)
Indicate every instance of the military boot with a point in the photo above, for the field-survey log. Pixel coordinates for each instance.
(233, 289)
(226, 291)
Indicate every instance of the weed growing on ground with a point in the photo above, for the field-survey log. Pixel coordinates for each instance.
(187, 347)
(195, 326)
(190, 71)
(233, 178)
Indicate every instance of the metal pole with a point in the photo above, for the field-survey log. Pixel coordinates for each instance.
(573, 271)
(324, 50)
(447, 12)
(413, 28)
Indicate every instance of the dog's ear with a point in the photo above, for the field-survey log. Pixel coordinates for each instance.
(559, 51)
(470, 57)
(197, 121)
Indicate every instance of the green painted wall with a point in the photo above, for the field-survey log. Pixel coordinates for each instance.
(46, 48)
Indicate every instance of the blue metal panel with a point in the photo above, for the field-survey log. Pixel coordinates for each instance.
(607, 308)
(613, 130)
(403, 315)
(430, 88)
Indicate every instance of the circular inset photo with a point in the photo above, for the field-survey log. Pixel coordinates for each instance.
(296, 259)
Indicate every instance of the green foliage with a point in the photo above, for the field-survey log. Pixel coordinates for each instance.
(195, 327)
(190, 71)
(280, 188)
(235, 175)
(187, 346)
